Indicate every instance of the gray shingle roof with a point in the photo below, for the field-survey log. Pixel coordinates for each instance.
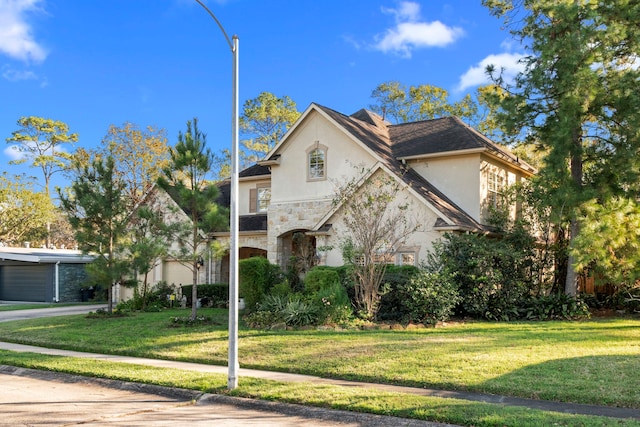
(393, 142)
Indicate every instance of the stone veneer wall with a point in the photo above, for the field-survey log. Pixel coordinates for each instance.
(72, 277)
(285, 217)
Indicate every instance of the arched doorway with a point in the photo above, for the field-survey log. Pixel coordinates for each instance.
(298, 252)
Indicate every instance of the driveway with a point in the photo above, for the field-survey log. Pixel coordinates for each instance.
(33, 313)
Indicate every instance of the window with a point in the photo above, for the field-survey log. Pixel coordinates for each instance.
(495, 187)
(317, 162)
(264, 197)
(259, 199)
(407, 258)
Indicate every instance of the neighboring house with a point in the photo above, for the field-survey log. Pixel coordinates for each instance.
(449, 173)
(43, 275)
(172, 270)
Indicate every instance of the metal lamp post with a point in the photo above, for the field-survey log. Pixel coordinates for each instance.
(233, 364)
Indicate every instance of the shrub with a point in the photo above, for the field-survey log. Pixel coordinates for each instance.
(216, 293)
(291, 310)
(332, 304)
(257, 277)
(156, 299)
(299, 313)
(494, 276)
(554, 307)
(431, 297)
(393, 301)
(320, 278)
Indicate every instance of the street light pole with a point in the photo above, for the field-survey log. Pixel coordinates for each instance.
(233, 364)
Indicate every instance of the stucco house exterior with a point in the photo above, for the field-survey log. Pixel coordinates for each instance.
(448, 172)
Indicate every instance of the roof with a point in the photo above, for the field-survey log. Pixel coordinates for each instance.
(392, 144)
(44, 256)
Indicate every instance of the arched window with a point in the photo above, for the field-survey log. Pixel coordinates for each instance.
(317, 162)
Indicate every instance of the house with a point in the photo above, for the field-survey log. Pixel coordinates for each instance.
(449, 172)
(42, 275)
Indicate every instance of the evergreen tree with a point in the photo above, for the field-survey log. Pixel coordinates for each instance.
(185, 178)
(98, 214)
(577, 100)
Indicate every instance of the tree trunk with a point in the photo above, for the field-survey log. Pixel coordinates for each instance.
(571, 282)
(194, 292)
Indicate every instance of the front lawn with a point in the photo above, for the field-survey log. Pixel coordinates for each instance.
(592, 362)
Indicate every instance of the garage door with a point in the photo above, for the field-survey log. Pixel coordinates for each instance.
(25, 283)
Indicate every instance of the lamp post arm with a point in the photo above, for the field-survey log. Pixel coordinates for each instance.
(226, 36)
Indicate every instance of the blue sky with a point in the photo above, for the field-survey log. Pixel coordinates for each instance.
(162, 62)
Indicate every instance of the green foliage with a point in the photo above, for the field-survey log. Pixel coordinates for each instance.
(185, 180)
(332, 304)
(299, 312)
(554, 307)
(216, 293)
(319, 278)
(98, 214)
(24, 212)
(393, 302)
(576, 100)
(257, 277)
(608, 245)
(375, 223)
(494, 275)
(291, 310)
(41, 140)
(155, 299)
(431, 297)
(264, 121)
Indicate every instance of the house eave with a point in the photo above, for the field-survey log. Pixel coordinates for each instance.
(443, 154)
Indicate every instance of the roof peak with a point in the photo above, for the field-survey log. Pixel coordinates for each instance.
(370, 117)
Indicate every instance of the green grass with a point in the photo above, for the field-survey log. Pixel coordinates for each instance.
(327, 396)
(594, 362)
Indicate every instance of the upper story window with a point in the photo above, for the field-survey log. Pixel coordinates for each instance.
(317, 162)
(259, 199)
(495, 187)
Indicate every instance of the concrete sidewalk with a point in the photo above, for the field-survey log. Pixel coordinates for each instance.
(569, 408)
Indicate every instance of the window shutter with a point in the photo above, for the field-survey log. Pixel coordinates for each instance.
(253, 200)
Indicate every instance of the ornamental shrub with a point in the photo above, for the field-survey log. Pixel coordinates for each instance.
(257, 277)
(332, 304)
(431, 297)
(320, 277)
(393, 301)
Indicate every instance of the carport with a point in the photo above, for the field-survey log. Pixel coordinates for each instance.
(42, 275)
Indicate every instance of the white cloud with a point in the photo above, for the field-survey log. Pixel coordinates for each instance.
(476, 75)
(16, 36)
(13, 153)
(411, 32)
(14, 75)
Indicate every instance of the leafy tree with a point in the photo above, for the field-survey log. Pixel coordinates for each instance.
(97, 212)
(23, 211)
(264, 121)
(62, 234)
(139, 155)
(376, 224)
(577, 99)
(185, 177)
(41, 142)
(609, 240)
(149, 240)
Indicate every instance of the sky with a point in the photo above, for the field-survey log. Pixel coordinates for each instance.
(94, 63)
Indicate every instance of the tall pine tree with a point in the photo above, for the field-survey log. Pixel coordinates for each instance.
(577, 100)
(185, 178)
